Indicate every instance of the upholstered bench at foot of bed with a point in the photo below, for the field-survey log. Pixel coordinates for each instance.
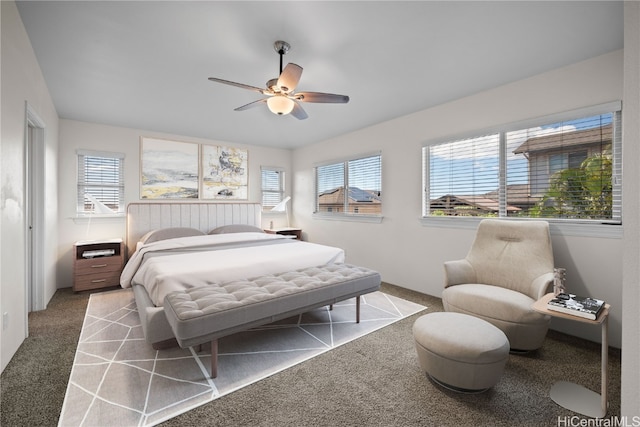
(204, 314)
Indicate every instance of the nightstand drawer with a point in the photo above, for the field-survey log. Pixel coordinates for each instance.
(98, 265)
(96, 281)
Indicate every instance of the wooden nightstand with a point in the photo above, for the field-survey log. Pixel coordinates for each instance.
(286, 231)
(97, 264)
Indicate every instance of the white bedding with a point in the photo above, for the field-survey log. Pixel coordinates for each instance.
(203, 260)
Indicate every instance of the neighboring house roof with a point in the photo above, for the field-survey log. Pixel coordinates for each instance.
(480, 202)
(566, 139)
(357, 195)
(517, 194)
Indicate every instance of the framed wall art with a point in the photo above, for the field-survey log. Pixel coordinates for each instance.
(224, 172)
(168, 169)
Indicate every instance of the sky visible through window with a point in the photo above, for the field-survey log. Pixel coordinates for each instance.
(330, 177)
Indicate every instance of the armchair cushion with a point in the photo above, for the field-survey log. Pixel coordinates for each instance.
(492, 302)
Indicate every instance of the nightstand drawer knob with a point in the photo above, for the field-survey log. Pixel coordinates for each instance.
(98, 280)
(99, 266)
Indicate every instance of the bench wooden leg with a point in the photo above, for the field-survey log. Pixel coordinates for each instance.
(214, 359)
(358, 309)
(330, 306)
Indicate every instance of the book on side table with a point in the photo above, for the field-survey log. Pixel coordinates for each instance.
(586, 307)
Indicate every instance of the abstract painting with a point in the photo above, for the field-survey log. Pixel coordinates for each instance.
(169, 169)
(224, 172)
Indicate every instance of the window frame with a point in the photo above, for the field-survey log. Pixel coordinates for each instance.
(281, 192)
(81, 183)
(345, 215)
(558, 226)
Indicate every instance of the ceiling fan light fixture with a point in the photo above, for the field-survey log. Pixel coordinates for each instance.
(280, 105)
(282, 98)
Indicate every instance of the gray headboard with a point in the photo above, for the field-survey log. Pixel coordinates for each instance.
(143, 217)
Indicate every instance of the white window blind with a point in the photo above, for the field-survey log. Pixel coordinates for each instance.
(565, 169)
(101, 178)
(272, 186)
(352, 186)
(461, 173)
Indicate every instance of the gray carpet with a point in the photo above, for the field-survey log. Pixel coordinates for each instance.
(372, 381)
(119, 380)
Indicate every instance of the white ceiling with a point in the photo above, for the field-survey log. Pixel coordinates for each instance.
(145, 64)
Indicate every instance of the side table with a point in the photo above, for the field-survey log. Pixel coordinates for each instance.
(286, 231)
(573, 396)
(97, 264)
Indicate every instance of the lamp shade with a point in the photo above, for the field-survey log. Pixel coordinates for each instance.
(282, 206)
(98, 206)
(280, 104)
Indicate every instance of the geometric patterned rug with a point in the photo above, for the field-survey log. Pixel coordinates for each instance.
(118, 379)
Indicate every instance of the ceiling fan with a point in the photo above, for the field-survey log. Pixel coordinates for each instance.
(281, 98)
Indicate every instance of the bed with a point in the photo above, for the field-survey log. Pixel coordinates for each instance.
(177, 247)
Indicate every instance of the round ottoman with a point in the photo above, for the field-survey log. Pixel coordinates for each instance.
(460, 352)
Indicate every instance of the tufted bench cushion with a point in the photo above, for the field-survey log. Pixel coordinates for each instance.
(210, 312)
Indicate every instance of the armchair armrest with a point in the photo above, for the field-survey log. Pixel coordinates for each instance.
(458, 272)
(540, 285)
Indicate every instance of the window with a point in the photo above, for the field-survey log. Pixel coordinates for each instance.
(100, 183)
(272, 186)
(461, 171)
(566, 167)
(351, 187)
(558, 162)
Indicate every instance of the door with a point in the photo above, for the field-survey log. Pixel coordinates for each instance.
(34, 210)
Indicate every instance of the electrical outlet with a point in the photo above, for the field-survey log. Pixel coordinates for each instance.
(5, 321)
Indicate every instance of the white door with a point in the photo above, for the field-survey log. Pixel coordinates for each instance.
(34, 210)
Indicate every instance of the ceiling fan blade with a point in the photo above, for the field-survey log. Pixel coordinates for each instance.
(321, 97)
(298, 112)
(251, 104)
(240, 85)
(289, 77)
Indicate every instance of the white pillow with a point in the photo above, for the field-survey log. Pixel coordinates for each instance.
(236, 228)
(169, 233)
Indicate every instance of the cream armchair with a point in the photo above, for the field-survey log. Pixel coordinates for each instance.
(509, 266)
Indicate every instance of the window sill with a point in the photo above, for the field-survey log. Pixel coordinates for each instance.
(84, 219)
(376, 219)
(556, 228)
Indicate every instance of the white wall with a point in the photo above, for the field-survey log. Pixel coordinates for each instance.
(631, 195)
(22, 81)
(411, 255)
(76, 135)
